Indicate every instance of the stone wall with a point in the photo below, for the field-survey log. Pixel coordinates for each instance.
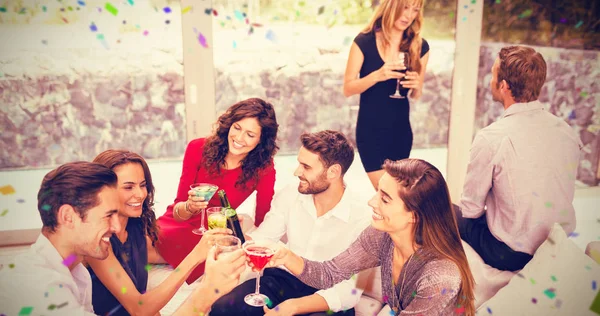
(70, 104)
(571, 92)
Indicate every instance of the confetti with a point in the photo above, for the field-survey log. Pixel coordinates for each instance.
(202, 40)
(558, 303)
(534, 300)
(123, 290)
(550, 293)
(20, 201)
(321, 10)
(148, 267)
(525, 13)
(2, 9)
(93, 27)
(208, 11)
(81, 3)
(563, 20)
(548, 204)
(488, 309)
(239, 15)
(596, 304)
(579, 24)
(353, 291)
(130, 2)
(7, 189)
(186, 10)
(140, 303)
(146, 33)
(51, 307)
(25, 311)
(270, 35)
(114, 310)
(215, 13)
(177, 270)
(459, 310)
(584, 94)
(110, 8)
(573, 234)
(532, 280)
(594, 285)
(167, 10)
(4, 213)
(69, 260)
(553, 278)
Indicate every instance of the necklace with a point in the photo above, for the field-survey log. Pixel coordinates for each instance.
(404, 277)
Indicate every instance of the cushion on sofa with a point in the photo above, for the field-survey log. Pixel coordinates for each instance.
(559, 280)
(488, 280)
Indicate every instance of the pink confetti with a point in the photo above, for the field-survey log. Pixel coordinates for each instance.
(202, 40)
(69, 260)
(460, 310)
(146, 33)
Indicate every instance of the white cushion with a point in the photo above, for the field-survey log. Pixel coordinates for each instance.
(488, 280)
(558, 264)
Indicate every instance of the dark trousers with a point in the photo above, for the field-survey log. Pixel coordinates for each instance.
(277, 284)
(475, 232)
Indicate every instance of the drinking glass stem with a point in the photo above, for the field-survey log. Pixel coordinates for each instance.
(398, 86)
(258, 283)
(202, 219)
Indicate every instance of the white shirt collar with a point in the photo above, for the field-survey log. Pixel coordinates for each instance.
(341, 210)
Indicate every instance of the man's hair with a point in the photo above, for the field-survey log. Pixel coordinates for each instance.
(524, 70)
(76, 184)
(331, 146)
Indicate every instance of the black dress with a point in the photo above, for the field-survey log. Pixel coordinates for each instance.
(133, 256)
(383, 128)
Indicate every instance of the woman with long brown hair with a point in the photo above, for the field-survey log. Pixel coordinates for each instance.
(238, 158)
(413, 237)
(119, 282)
(383, 128)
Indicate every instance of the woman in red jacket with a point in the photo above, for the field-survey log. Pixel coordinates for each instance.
(238, 158)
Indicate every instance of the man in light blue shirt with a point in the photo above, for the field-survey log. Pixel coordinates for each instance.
(521, 175)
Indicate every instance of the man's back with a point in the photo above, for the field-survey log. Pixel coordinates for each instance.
(533, 158)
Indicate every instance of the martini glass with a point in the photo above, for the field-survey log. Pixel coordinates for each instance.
(259, 252)
(207, 191)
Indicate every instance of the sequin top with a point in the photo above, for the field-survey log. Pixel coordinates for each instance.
(431, 285)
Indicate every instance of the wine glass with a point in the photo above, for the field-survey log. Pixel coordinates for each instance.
(207, 191)
(225, 244)
(403, 58)
(216, 217)
(260, 253)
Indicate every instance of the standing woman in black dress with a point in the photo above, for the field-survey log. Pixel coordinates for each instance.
(383, 129)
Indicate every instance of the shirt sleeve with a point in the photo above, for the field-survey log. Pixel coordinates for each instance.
(191, 163)
(424, 48)
(437, 288)
(345, 295)
(274, 225)
(361, 255)
(265, 189)
(478, 181)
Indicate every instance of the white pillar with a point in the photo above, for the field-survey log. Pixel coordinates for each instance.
(469, 17)
(198, 69)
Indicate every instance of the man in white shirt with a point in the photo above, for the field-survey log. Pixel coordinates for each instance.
(321, 218)
(78, 206)
(521, 176)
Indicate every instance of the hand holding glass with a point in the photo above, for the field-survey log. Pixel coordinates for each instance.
(259, 252)
(403, 58)
(205, 190)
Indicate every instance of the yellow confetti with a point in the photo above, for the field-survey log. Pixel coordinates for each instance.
(186, 9)
(7, 189)
(123, 290)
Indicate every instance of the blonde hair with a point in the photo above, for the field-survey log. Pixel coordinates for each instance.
(386, 14)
